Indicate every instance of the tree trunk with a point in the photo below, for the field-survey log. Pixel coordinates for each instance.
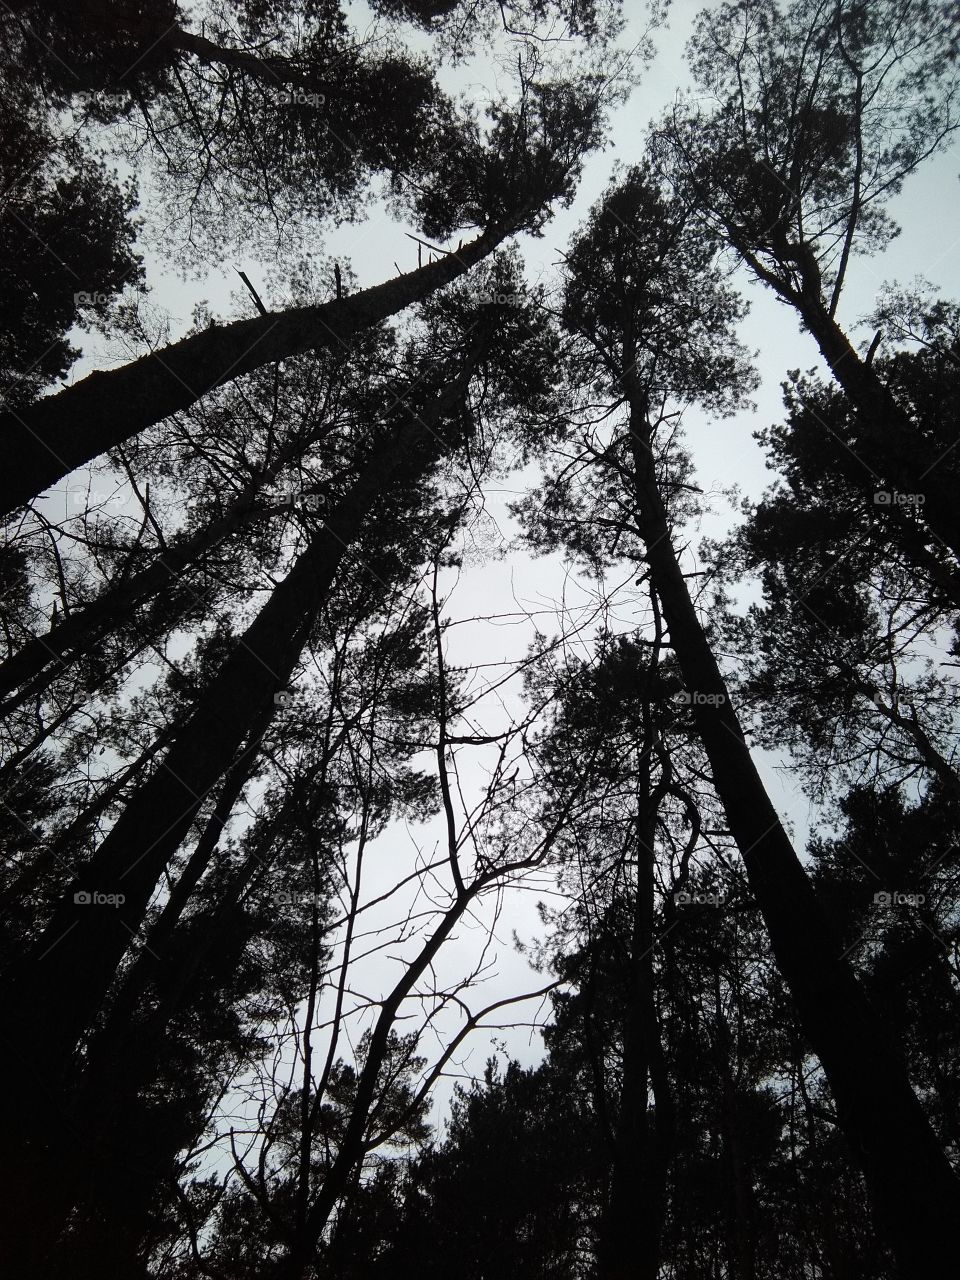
(630, 1236)
(915, 1194)
(142, 974)
(909, 459)
(52, 437)
(34, 871)
(741, 1241)
(109, 1184)
(82, 626)
(54, 995)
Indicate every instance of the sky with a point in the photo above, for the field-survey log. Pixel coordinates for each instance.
(725, 452)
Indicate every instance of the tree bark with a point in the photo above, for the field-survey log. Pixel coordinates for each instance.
(53, 996)
(914, 1192)
(631, 1231)
(82, 626)
(910, 460)
(47, 440)
(741, 1238)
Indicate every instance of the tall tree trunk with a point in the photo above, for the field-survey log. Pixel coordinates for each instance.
(741, 1240)
(47, 857)
(53, 996)
(41, 659)
(909, 459)
(915, 1194)
(120, 1153)
(47, 440)
(630, 1235)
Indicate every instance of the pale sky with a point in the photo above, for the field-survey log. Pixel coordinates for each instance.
(724, 452)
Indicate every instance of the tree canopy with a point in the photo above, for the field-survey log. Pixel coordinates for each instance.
(366, 912)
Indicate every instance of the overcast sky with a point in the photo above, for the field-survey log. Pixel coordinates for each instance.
(724, 452)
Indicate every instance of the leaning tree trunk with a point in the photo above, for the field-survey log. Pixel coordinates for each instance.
(98, 1172)
(109, 1185)
(897, 448)
(914, 1192)
(53, 996)
(47, 440)
(53, 852)
(908, 458)
(152, 959)
(33, 667)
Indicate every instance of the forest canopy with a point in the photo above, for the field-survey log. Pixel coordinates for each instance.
(480, 593)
